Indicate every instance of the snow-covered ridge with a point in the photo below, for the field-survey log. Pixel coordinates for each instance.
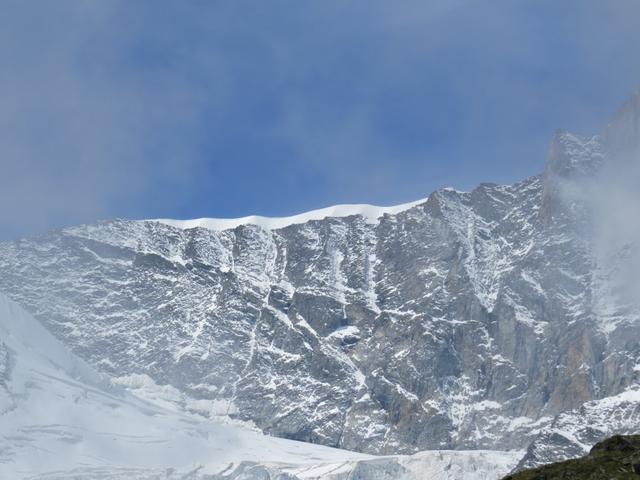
(371, 214)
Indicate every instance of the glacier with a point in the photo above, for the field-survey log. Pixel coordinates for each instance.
(60, 419)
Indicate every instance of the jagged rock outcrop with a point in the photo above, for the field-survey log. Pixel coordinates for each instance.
(572, 433)
(617, 458)
(468, 321)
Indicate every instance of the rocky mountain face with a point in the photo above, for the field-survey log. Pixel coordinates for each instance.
(61, 420)
(475, 320)
(572, 433)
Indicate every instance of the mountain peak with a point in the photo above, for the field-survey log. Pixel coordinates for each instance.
(622, 135)
(570, 161)
(573, 156)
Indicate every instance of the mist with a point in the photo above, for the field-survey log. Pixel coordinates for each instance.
(615, 201)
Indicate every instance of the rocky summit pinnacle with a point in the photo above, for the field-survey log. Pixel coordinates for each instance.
(472, 320)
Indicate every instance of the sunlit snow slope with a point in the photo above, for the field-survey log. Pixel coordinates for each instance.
(371, 213)
(61, 420)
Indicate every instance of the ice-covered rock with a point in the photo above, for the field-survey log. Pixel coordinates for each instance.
(66, 421)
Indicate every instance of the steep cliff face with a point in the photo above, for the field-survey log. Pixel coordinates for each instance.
(467, 321)
(61, 420)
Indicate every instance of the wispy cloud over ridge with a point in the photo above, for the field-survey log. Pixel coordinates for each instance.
(163, 109)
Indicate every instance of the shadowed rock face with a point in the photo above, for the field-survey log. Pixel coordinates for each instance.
(469, 321)
(617, 458)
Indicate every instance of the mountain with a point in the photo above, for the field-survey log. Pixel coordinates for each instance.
(61, 420)
(470, 320)
(617, 458)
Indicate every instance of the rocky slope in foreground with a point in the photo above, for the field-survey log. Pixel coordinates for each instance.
(617, 458)
(468, 321)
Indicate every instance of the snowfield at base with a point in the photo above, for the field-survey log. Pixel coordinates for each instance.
(59, 419)
(371, 213)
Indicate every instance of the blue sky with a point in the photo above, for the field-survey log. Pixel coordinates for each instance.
(142, 109)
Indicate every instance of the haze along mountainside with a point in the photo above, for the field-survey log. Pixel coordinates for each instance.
(61, 420)
(470, 320)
